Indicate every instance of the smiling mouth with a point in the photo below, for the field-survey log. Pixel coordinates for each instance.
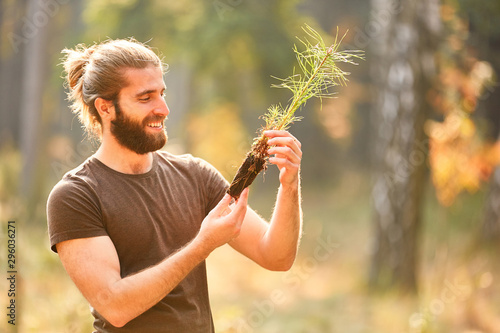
(157, 125)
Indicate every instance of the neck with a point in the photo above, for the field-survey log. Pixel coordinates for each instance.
(122, 159)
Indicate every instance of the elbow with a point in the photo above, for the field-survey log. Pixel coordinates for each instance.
(115, 318)
(281, 265)
(117, 323)
(111, 312)
(285, 266)
(281, 268)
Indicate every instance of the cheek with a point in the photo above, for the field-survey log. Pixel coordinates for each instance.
(135, 112)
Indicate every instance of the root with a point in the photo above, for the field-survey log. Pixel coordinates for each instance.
(254, 163)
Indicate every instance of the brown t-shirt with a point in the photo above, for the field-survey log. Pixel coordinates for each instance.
(148, 217)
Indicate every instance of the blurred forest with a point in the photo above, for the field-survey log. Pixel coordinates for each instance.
(400, 176)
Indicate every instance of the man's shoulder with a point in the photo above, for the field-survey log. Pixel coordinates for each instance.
(189, 164)
(79, 178)
(183, 160)
(82, 173)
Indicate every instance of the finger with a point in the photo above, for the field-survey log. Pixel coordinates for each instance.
(227, 211)
(284, 141)
(291, 142)
(284, 163)
(291, 151)
(285, 152)
(271, 134)
(222, 205)
(243, 199)
(241, 203)
(275, 133)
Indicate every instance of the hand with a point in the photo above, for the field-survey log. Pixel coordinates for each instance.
(223, 223)
(287, 156)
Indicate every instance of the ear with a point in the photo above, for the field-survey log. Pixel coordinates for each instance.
(105, 108)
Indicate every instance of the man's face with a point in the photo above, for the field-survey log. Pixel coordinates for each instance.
(140, 111)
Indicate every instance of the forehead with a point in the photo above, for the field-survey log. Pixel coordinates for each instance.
(142, 79)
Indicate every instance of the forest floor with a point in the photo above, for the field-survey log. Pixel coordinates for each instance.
(324, 292)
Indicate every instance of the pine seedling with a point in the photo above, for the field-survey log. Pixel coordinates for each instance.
(318, 74)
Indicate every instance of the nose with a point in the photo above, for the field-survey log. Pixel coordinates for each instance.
(162, 108)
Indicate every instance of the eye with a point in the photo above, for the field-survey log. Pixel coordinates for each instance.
(144, 99)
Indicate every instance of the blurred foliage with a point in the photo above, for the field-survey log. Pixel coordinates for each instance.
(460, 157)
(208, 136)
(482, 14)
(222, 42)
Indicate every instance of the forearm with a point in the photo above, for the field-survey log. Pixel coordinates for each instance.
(274, 245)
(129, 297)
(280, 242)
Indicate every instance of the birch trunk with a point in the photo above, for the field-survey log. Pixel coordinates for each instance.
(402, 67)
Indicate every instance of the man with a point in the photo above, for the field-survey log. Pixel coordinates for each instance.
(133, 225)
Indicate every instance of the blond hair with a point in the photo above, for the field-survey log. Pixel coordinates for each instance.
(97, 71)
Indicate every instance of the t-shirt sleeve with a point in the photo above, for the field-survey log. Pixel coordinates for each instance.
(73, 212)
(215, 185)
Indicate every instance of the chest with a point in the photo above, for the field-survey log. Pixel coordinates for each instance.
(149, 219)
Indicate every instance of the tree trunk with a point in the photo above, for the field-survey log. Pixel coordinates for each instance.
(34, 77)
(490, 102)
(490, 232)
(491, 225)
(403, 41)
(11, 69)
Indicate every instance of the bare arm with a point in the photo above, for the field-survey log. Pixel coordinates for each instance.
(92, 263)
(274, 245)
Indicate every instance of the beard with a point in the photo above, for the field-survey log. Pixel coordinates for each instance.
(132, 135)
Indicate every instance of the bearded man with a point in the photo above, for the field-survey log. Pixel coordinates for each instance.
(133, 225)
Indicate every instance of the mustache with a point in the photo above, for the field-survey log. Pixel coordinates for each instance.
(154, 119)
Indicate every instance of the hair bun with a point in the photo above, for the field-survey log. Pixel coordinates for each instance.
(75, 62)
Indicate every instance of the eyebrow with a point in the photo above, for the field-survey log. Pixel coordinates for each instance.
(148, 91)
